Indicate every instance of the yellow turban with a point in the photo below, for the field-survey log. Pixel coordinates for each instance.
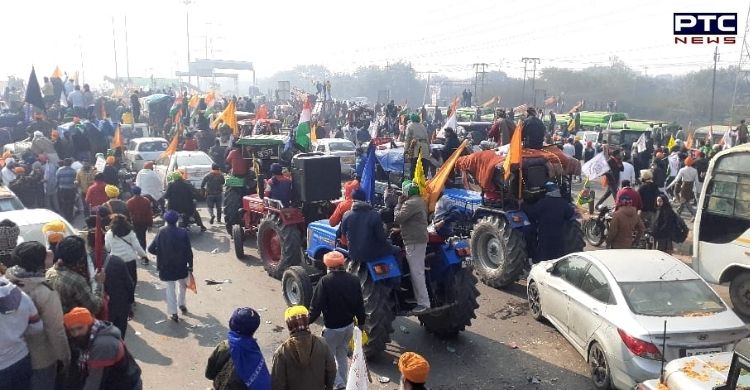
(112, 191)
(295, 311)
(54, 231)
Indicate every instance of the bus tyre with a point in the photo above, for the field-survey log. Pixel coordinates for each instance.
(498, 251)
(739, 293)
(459, 313)
(379, 308)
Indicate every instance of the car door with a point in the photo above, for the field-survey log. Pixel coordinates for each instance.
(563, 279)
(588, 305)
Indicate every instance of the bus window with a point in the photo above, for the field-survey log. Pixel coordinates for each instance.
(727, 207)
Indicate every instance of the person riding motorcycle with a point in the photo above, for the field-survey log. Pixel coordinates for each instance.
(181, 197)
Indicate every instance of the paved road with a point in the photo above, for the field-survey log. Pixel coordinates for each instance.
(503, 349)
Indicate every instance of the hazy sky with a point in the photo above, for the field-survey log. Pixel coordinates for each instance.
(439, 35)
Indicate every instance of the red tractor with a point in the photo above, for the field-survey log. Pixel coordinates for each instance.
(316, 181)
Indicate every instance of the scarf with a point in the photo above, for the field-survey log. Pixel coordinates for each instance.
(248, 361)
(83, 358)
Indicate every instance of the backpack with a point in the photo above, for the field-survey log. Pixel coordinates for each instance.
(680, 233)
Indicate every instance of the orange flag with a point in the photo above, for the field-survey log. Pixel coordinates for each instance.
(57, 73)
(117, 139)
(515, 151)
(178, 118)
(434, 186)
(689, 142)
(173, 144)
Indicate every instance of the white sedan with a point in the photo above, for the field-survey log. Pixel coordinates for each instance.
(195, 166)
(612, 306)
(343, 148)
(142, 150)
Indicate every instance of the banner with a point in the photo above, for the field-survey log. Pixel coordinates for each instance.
(595, 167)
(357, 378)
(641, 143)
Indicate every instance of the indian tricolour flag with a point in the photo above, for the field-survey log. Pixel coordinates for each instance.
(302, 133)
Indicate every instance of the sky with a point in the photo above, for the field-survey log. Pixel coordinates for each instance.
(446, 36)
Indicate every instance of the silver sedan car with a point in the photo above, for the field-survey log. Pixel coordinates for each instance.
(613, 306)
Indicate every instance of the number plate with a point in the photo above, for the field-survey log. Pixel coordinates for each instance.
(701, 351)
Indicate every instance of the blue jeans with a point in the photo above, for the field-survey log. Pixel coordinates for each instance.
(17, 376)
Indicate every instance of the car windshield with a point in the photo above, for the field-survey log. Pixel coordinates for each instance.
(195, 159)
(155, 146)
(341, 147)
(8, 204)
(34, 232)
(673, 298)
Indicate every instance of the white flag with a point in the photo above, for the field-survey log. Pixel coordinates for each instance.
(451, 122)
(609, 123)
(357, 378)
(595, 167)
(641, 143)
(726, 140)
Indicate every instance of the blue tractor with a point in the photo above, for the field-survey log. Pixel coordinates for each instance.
(503, 237)
(386, 285)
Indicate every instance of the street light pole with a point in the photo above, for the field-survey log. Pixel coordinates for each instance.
(713, 84)
(187, 35)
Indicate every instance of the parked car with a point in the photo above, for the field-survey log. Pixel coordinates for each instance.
(195, 166)
(30, 222)
(9, 201)
(613, 307)
(720, 371)
(343, 148)
(141, 150)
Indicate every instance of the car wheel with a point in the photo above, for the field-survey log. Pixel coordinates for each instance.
(535, 304)
(599, 368)
(739, 293)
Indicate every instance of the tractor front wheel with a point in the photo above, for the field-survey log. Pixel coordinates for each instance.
(498, 251)
(279, 245)
(238, 236)
(297, 286)
(456, 317)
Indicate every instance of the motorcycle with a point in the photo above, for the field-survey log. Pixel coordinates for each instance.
(595, 229)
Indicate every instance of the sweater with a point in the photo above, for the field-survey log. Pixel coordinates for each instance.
(303, 361)
(174, 255)
(338, 296)
(364, 231)
(126, 248)
(18, 318)
(411, 215)
(51, 345)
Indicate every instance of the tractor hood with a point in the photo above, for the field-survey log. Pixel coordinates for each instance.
(321, 236)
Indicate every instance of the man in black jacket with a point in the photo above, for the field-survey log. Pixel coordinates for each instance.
(338, 296)
(613, 176)
(363, 229)
(533, 130)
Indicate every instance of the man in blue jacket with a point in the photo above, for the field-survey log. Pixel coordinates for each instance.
(174, 260)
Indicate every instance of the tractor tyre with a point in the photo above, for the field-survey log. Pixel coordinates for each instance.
(238, 236)
(498, 252)
(379, 308)
(279, 245)
(232, 206)
(456, 317)
(573, 237)
(297, 286)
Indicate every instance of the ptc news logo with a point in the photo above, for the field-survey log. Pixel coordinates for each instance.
(691, 28)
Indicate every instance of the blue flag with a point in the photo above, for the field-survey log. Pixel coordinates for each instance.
(367, 182)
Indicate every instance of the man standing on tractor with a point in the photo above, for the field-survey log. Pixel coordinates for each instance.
(549, 214)
(533, 130)
(180, 197)
(344, 205)
(338, 296)
(411, 216)
(416, 141)
(279, 187)
(237, 165)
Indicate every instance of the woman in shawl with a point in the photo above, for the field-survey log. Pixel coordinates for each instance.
(664, 225)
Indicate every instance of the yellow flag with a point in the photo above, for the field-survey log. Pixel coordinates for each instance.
(57, 73)
(571, 124)
(671, 143)
(194, 101)
(314, 134)
(436, 184)
(514, 151)
(419, 178)
(117, 139)
(229, 116)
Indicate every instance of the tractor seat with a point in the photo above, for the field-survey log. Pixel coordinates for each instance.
(434, 238)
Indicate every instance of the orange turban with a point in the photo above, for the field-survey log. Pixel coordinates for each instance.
(19, 170)
(78, 316)
(414, 367)
(111, 160)
(689, 161)
(333, 259)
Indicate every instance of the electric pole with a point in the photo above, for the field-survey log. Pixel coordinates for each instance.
(743, 71)
(427, 85)
(534, 61)
(127, 50)
(187, 35)
(523, 88)
(114, 45)
(477, 72)
(713, 85)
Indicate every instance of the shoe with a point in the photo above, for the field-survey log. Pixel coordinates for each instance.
(183, 309)
(212, 220)
(175, 318)
(420, 310)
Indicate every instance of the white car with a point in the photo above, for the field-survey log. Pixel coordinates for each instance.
(9, 201)
(343, 148)
(31, 221)
(142, 150)
(196, 165)
(612, 305)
